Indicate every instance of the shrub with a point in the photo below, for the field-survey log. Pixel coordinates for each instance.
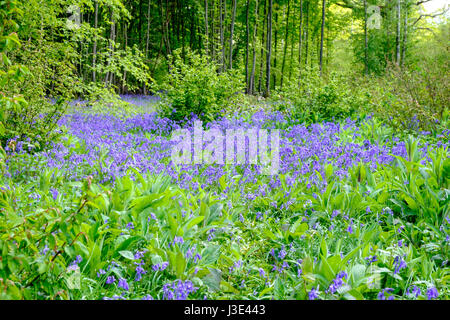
(314, 98)
(25, 112)
(413, 99)
(193, 86)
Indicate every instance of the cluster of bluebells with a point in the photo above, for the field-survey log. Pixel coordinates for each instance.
(413, 291)
(160, 266)
(178, 290)
(371, 259)
(277, 258)
(74, 264)
(139, 265)
(337, 282)
(313, 294)
(399, 264)
(304, 150)
(383, 292)
(176, 240)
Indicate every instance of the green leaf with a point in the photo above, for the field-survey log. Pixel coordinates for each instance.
(214, 279)
(127, 254)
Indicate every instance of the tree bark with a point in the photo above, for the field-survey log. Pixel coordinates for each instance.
(285, 43)
(324, 6)
(397, 39)
(94, 57)
(307, 34)
(233, 18)
(276, 47)
(262, 48)
(251, 85)
(206, 28)
(222, 40)
(147, 38)
(112, 37)
(300, 37)
(269, 48)
(366, 47)
(247, 45)
(405, 35)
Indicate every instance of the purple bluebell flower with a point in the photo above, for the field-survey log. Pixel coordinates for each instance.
(110, 279)
(414, 290)
(123, 284)
(432, 293)
(399, 264)
(382, 296)
(313, 294)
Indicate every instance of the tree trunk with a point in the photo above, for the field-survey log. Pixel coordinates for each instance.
(247, 45)
(300, 37)
(269, 48)
(222, 40)
(366, 47)
(94, 58)
(285, 43)
(405, 35)
(206, 27)
(213, 32)
(109, 77)
(292, 52)
(147, 38)
(324, 6)
(262, 48)
(397, 39)
(307, 34)
(140, 22)
(251, 85)
(233, 18)
(124, 79)
(276, 47)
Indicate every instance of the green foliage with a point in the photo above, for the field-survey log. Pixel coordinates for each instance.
(415, 99)
(26, 113)
(47, 220)
(193, 86)
(316, 99)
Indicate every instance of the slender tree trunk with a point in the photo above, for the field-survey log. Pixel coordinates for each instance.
(292, 52)
(233, 18)
(109, 75)
(247, 45)
(262, 48)
(147, 38)
(307, 34)
(251, 85)
(397, 40)
(147, 35)
(269, 48)
(213, 32)
(324, 7)
(366, 46)
(285, 43)
(191, 29)
(300, 37)
(183, 32)
(276, 47)
(206, 28)
(405, 34)
(141, 4)
(125, 37)
(94, 57)
(222, 39)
